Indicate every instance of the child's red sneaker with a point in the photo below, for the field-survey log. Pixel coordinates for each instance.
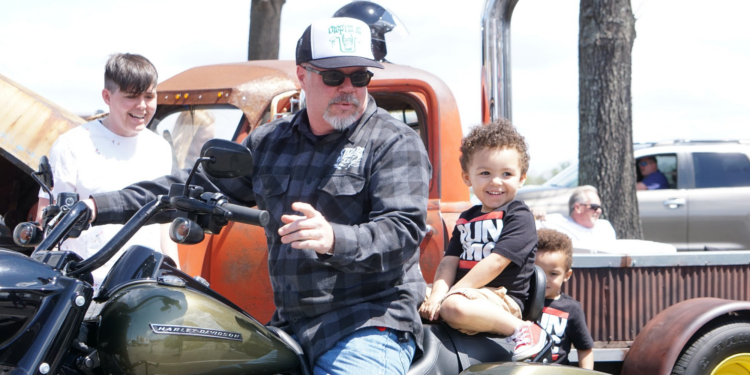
(529, 339)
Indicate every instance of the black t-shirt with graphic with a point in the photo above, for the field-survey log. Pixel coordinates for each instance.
(563, 319)
(508, 231)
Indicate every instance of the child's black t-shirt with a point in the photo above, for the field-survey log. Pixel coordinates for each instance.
(508, 231)
(563, 319)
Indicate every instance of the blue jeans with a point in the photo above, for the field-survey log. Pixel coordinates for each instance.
(368, 351)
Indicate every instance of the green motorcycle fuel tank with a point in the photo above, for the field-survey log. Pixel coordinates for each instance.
(156, 319)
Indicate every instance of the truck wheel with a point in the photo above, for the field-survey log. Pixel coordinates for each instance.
(720, 348)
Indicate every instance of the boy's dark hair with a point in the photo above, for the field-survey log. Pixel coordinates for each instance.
(130, 73)
(551, 240)
(496, 135)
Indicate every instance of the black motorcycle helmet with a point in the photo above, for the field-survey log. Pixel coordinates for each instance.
(378, 18)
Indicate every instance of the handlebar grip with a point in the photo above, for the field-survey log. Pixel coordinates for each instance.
(247, 215)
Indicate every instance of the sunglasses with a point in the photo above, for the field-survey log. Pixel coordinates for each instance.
(335, 78)
(592, 206)
(644, 163)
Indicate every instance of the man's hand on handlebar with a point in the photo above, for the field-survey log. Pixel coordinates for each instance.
(92, 206)
(311, 231)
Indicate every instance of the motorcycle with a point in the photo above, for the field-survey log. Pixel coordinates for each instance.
(154, 318)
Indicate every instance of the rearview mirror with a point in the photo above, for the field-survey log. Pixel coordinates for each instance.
(45, 172)
(227, 159)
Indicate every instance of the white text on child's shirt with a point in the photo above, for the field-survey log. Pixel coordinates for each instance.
(478, 236)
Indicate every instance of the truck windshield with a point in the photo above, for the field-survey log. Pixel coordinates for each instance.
(567, 178)
(187, 130)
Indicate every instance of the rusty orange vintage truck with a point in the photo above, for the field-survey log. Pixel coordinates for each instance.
(683, 313)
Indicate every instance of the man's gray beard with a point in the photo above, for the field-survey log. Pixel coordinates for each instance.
(341, 122)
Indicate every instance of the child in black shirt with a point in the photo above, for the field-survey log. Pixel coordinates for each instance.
(484, 277)
(562, 316)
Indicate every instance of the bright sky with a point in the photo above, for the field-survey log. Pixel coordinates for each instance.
(690, 59)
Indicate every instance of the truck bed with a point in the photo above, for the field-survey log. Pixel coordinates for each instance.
(621, 293)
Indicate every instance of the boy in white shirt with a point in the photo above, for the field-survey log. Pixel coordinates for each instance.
(112, 153)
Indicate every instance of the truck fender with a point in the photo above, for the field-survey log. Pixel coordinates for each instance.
(657, 347)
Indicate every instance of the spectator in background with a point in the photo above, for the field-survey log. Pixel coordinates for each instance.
(109, 154)
(652, 177)
(191, 130)
(584, 223)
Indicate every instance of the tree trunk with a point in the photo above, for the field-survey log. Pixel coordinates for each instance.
(265, 22)
(605, 152)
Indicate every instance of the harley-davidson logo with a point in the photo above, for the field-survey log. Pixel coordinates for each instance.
(195, 331)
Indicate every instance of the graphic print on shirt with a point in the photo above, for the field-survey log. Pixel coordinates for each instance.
(349, 158)
(554, 322)
(478, 237)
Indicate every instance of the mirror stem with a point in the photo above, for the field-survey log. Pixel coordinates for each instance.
(192, 172)
(46, 189)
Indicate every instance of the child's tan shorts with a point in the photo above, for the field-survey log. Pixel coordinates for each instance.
(498, 296)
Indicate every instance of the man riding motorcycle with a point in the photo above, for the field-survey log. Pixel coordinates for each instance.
(346, 186)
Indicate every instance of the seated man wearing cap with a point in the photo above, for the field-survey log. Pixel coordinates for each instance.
(346, 187)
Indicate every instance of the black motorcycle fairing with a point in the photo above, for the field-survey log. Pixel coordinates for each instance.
(19, 277)
(59, 261)
(39, 313)
(138, 263)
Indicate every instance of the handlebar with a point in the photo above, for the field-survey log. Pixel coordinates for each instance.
(80, 212)
(247, 215)
(116, 243)
(218, 206)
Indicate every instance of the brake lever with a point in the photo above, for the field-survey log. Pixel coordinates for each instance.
(52, 222)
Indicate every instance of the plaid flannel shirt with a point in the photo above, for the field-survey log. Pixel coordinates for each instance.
(370, 182)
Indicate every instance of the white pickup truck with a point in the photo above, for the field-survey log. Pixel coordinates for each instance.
(707, 204)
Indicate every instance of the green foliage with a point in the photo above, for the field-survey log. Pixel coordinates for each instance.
(541, 178)
(535, 179)
(558, 169)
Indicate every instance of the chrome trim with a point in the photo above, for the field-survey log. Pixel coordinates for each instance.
(680, 259)
(496, 57)
(602, 354)
(165, 329)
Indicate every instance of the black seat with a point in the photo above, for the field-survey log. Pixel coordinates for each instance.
(532, 309)
(447, 351)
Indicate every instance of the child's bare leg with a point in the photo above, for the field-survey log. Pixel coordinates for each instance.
(478, 315)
